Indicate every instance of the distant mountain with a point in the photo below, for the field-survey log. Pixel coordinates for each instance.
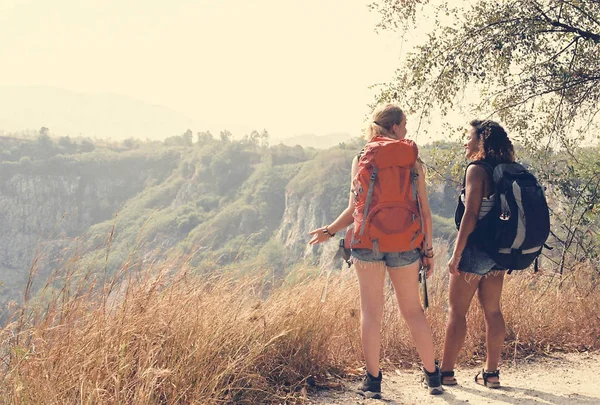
(316, 141)
(104, 115)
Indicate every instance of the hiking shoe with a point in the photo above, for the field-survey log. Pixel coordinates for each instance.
(433, 381)
(371, 386)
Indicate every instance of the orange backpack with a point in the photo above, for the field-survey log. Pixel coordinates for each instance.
(387, 216)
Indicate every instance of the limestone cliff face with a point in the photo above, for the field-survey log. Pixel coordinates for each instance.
(35, 208)
(314, 198)
(46, 204)
(45, 207)
(168, 201)
(303, 213)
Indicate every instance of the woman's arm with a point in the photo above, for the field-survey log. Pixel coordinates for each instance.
(425, 211)
(476, 176)
(343, 220)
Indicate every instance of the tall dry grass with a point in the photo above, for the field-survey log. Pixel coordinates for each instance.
(160, 334)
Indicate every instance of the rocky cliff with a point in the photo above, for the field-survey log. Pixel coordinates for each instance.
(220, 202)
(35, 206)
(46, 205)
(303, 213)
(313, 199)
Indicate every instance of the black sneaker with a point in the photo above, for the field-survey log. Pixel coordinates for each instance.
(371, 386)
(433, 381)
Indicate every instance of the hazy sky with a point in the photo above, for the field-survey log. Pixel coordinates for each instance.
(289, 66)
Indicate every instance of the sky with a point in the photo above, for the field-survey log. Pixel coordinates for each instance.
(288, 66)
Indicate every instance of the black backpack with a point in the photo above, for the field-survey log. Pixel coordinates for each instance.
(514, 232)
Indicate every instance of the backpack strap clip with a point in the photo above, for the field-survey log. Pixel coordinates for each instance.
(344, 252)
(505, 212)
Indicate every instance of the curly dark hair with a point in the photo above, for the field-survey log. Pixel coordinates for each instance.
(494, 144)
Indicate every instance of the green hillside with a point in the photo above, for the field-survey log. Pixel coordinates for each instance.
(238, 205)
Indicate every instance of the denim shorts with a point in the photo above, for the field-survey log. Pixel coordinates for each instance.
(394, 259)
(476, 261)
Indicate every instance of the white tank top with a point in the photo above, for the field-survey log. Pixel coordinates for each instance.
(486, 204)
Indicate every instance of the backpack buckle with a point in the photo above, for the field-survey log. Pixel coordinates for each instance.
(344, 252)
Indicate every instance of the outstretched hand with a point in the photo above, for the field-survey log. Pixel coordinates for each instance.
(319, 236)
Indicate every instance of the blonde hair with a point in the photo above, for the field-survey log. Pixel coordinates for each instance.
(384, 118)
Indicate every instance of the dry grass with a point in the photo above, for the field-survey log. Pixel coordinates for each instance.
(164, 335)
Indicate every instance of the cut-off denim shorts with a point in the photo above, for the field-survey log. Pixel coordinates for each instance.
(476, 261)
(393, 259)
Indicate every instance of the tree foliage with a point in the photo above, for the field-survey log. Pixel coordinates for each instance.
(536, 63)
(535, 66)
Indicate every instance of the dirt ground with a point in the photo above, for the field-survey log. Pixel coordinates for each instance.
(556, 379)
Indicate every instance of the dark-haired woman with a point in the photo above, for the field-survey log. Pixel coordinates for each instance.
(472, 270)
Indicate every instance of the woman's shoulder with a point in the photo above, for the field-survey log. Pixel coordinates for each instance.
(476, 172)
(483, 164)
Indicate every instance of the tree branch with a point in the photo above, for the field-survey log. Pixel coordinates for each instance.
(568, 28)
(547, 91)
(582, 11)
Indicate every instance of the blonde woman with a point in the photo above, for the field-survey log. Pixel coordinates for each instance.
(375, 255)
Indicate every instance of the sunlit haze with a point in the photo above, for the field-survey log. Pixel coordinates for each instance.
(291, 67)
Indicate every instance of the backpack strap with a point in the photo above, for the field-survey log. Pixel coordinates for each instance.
(369, 198)
(415, 195)
(536, 266)
(460, 206)
(488, 168)
(423, 270)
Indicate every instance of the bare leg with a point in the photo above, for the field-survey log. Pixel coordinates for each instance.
(490, 290)
(371, 277)
(462, 289)
(406, 285)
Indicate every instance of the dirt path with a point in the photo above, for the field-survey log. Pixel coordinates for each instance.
(559, 379)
